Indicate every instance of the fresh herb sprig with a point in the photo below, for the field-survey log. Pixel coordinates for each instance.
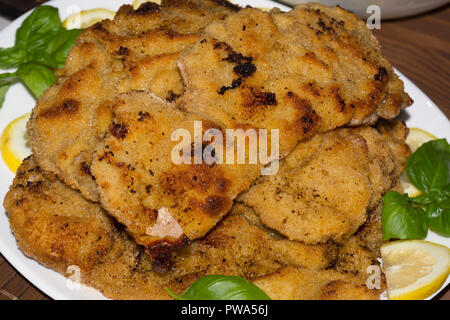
(41, 45)
(218, 287)
(409, 218)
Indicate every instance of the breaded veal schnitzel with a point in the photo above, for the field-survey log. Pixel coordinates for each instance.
(59, 228)
(138, 50)
(327, 186)
(104, 128)
(162, 204)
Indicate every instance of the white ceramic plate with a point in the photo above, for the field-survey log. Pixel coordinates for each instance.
(423, 114)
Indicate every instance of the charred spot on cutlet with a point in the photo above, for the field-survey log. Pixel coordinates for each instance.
(222, 45)
(183, 241)
(335, 91)
(119, 130)
(99, 27)
(260, 98)
(324, 27)
(147, 7)
(85, 168)
(32, 186)
(171, 96)
(143, 115)
(381, 75)
(214, 205)
(235, 84)
(67, 107)
(234, 57)
(162, 257)
(308, 119)
(244, 69)
(123, 51)
(162, 252)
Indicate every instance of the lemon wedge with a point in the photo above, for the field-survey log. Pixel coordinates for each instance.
(14, 142)
(137, 3)
(415, 139)
(87, 18)
(414, 269)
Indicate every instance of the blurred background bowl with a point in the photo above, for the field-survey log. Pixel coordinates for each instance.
(390, 9)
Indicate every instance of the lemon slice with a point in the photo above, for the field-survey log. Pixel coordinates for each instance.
(418, 137)
(137, 3)
(87, 18)
(14, 142)
(408, 187)
(415, 139)
(415, 269)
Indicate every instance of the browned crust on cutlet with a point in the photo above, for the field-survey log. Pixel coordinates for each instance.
(238, 245)
(258, 80)
(253, 66)
(331, 185)
(54, 224)
(138, 50)
(136, 179)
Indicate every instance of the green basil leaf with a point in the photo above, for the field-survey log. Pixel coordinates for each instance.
(423, 199)
(59, 46)
(6, 79)
(37, 78)
(3, 90)
(217, 287)
(440, 195)
(41, 43)
(11, 57)
(401, 220)
(428, 167)
(42, 58)
(446, 189)
(38, 28)
(438, 217)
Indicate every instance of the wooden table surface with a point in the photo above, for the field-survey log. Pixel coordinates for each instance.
(419, 47)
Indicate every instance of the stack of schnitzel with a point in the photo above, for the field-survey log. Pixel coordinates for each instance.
(101, 192)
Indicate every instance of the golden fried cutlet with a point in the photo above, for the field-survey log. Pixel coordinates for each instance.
(327, 185)
(305, 71)
(105, 129)
(142, 187)
(394, 134)
(292, 81)
(113, 263)
(291, 283)
(344, 279)
(137, 50)
(54, 224)
(234, 247)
